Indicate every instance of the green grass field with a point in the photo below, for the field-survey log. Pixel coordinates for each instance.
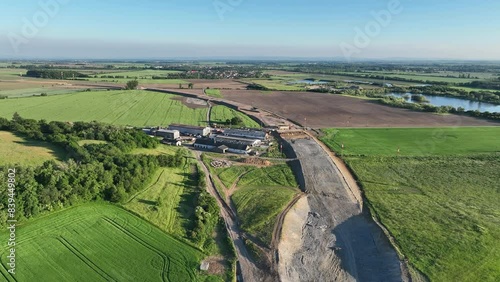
(143, 76)
(414, 76)
(138, 73)
(414, 141)
(258, 208)
(29, 92)
(135, 108)
(98, 242)
(441, 205)
(262, 194)
(213, 93)
(276, 175)
(167, 200)
(220, 114)
(229, 175)
(17, 150)
(276, 83)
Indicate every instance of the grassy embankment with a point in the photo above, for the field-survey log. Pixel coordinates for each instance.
(439, 196)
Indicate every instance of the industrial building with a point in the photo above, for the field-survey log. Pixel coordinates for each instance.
(211, 144)
(168, 134)
(189, 130)
(236, 140)
(246, 133)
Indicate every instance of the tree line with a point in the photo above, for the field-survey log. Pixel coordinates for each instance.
(92, 172)
(423, 107)
(55, 74)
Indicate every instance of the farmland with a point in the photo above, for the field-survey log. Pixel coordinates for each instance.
(135, 108)
(441, 203)
(166, 202)
(76, 245)
(213, 93)
(327, 110)
(17, 150)
(414, 141)
(220, 114)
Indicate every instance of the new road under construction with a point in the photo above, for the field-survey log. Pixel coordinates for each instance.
(325, 234)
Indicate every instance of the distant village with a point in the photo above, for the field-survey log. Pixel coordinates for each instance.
(220, 140)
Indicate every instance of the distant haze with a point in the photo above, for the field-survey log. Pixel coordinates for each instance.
(250, 28)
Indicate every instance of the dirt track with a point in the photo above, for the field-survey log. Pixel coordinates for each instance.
(326, 110)
(337, 242)
(249, 270)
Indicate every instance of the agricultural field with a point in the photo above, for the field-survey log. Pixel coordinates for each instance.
(134, 108)
(17, 150)
(414, 76)
(138, 73)
(277, 84)
(13, 85)
(220, 114)
(167, 202)
(143, 76)
(287, 77)
(440, 204)
(213, 93)
(99, 242)
(414, 141)
(329, 110)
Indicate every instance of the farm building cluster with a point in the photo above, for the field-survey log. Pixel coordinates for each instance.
(235, 141)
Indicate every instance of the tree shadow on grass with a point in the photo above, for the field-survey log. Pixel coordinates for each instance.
(147, 202)
(57, 152)
(187, 202)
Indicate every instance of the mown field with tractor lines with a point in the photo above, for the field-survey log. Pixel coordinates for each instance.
(133, 108)
(99, 242)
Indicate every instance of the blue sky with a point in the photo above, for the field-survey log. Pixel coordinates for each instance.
(457, 29)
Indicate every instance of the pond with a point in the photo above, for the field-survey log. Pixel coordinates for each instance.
(453, 102)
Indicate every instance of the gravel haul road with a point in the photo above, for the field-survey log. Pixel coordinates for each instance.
(338, 241)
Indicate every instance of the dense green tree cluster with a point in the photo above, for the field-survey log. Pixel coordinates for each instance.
(93, 172)
(132, 84)
(494, 85)
(55, 74)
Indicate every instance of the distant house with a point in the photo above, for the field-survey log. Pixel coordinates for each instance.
(246, 133)
(190, 130)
